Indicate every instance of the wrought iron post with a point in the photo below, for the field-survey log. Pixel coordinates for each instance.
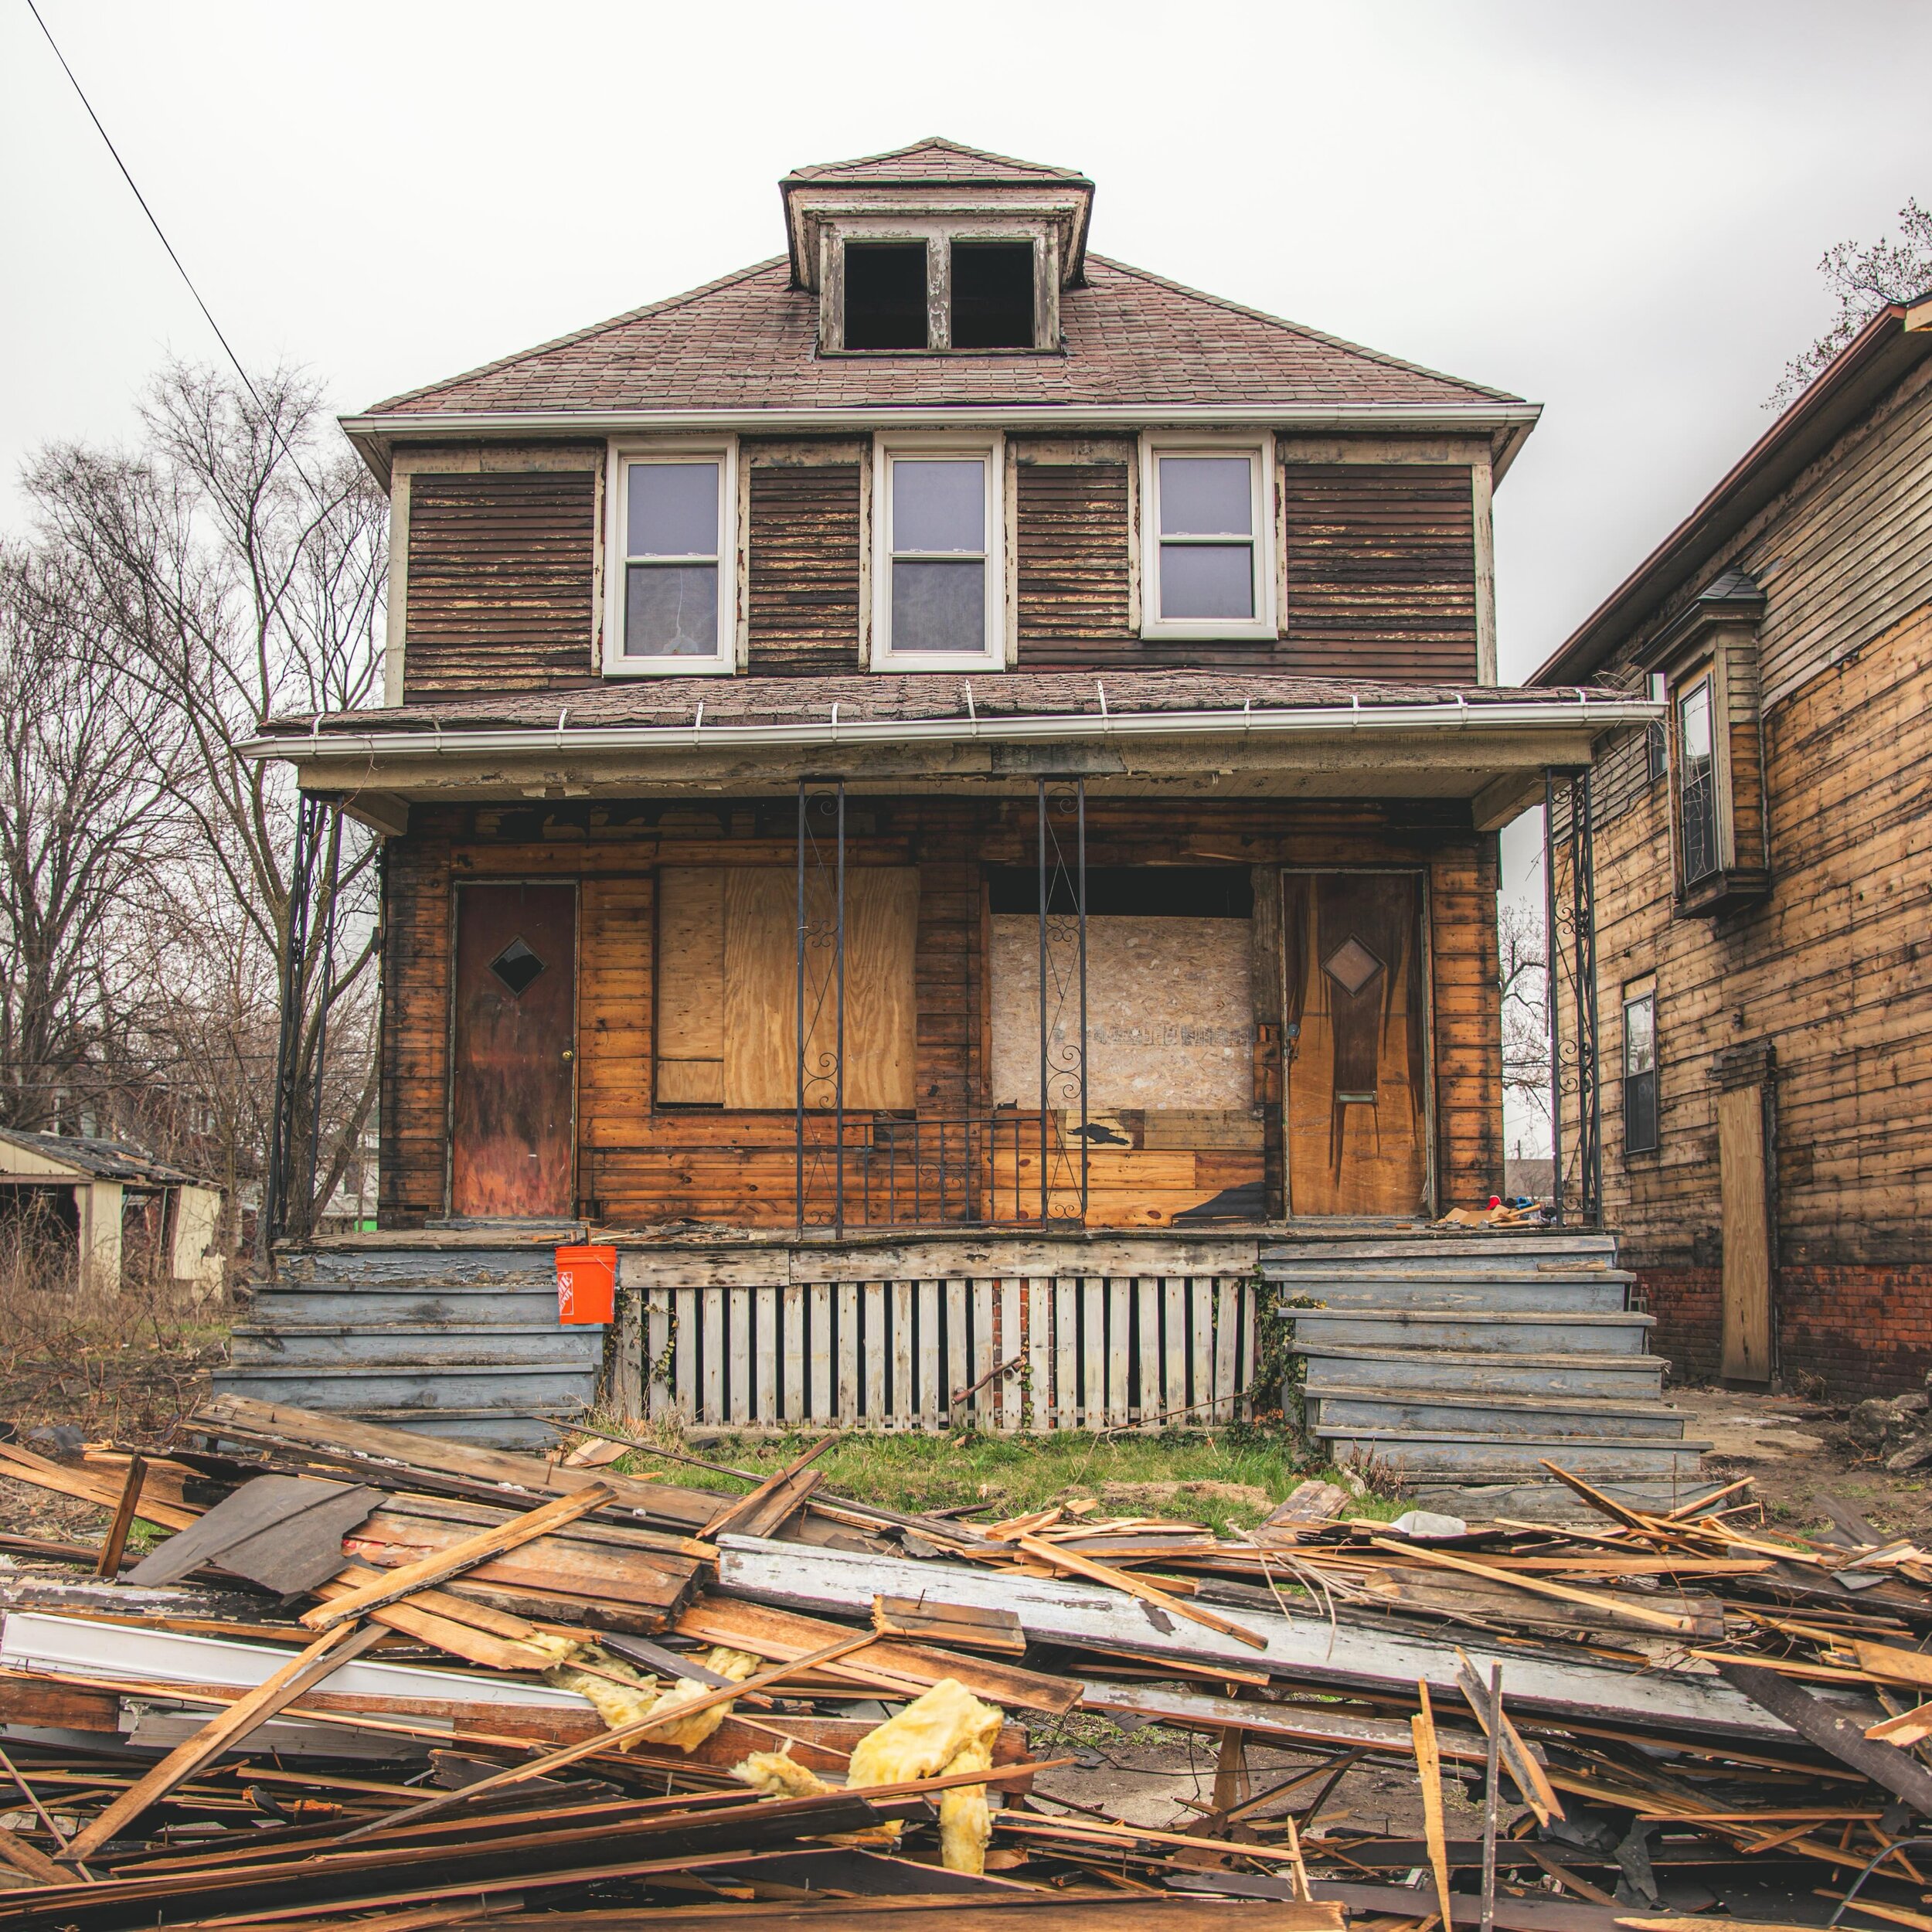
(1552, 991)
(1583, 886)
(281, 1132)
(821, 1070)
(1062, 981)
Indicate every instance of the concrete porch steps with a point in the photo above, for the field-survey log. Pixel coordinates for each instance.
(1460, 1363)
(458, 1334)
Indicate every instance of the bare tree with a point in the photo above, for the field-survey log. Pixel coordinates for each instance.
(1864, 279)
(90, 764)
(1524, 979)
(240, 561)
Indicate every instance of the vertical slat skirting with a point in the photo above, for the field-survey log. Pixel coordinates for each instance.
(931, 1360)
(873, 1345)
(792, 1346)
(738, 1328)
(1227, 1329)
(985, 1404)
(1147, 1342)
(657, 1338)
(1012, 1384)
(846, 1341)
(1093, 1353)
(1066, 1354)
(710, 1341)
(1039, 1354)
(1174, 1352)
(1200, 1311)
(957, 1358)
(1120, 1318)
(905, 1401)
(818, 1319)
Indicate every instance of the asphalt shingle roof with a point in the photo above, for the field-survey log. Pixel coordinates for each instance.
(749, 341)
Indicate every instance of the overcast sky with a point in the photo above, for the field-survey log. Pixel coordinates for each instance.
(1616, 210)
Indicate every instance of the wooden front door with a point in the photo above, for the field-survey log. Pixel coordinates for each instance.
(1744, 1195)
(1356, 1043)
(513, 1085)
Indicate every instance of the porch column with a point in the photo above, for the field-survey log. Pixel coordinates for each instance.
(1061, 807)
(1552, 1003)
(282, 1126)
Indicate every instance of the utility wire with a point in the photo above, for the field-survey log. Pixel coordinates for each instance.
(152, 221)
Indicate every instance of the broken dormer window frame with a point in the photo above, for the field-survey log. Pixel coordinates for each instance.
(936, 233)
(1159, 446)
(632, 454)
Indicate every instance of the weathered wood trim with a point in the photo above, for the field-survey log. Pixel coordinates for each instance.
(774, 1260)
(396, 635)
(1483, 519)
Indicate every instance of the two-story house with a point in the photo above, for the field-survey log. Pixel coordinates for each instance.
(1763, 983)
(941, 791)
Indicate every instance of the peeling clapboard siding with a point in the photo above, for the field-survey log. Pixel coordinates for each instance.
(501, 582)
(1075, 557)
(1381, 570)
(802, 568)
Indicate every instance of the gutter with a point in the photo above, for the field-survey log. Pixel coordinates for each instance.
(1593, 714)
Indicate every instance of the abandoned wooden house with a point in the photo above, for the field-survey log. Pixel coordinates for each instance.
(1762, 982)
(941, 793)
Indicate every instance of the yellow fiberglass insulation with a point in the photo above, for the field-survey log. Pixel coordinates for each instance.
(947, 1729)
(776, 1774)
(638, 1697)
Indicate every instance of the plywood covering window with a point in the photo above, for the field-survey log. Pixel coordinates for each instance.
(728, 993)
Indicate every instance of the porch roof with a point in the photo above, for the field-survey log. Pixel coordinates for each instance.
(1128, 730)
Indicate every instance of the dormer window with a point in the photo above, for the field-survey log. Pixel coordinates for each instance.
(886, 294)
(917, 284)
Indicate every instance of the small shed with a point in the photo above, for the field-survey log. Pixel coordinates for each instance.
(89, 1185)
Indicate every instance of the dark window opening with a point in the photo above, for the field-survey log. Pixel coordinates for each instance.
(1656, 753)
(517, 967)
(1697, 801)
(992, 294)
(1145, 892)
(885, 294)
(1640, 1074)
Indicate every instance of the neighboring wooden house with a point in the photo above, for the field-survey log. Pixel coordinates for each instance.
(1764, 893)
(83, 1191)
(788, 681)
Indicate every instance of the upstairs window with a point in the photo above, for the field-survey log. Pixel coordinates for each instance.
(1207, 515)
(937, 602)
(992, 294)
(1697, 790)
(671, 594)
(1640, 1074)
(885, 295)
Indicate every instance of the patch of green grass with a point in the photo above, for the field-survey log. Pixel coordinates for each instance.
(1228, 1480)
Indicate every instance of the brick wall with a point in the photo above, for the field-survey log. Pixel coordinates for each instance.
(1866, 1330)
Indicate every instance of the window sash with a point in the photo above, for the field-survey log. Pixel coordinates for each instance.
(983, 651)
(1697, 802)
(628, 563)
(1254, 541)
(1640, 1074)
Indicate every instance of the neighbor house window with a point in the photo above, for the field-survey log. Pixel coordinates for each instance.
(1697, 792)
(1207, 516)
(1656, 752)
(671, 587)
(1640, 1074)
(937, 599)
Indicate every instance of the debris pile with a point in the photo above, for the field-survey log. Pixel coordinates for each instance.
(376, 1678)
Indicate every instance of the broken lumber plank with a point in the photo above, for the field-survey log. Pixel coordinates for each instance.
(1058, 1554)
(389, 1586)
(953, 1625)
(1520, 1760)
(737, 1510)
(226, 1730)
(1679, 1625)
(114, 1544)
(1073, 1614)
(1429, 1770)
(1833, 1730)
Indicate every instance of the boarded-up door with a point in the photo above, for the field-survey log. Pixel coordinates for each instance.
(512, 1085)
(1356, 1043)
(1743, 1195)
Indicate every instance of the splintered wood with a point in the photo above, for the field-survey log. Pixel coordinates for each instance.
(539, 1689)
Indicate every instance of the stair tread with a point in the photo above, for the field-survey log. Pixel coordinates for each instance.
(324, 1371)
(1471, 1437)
(552, 1327)
(1563, 1405)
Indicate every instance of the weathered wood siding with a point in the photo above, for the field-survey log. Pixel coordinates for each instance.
(802, 568)
(1833, 969)
(503, 571)
(639, 1164)
(1075, 563)
(1380, 571)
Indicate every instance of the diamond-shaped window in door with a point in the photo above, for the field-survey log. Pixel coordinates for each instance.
(516, 966)
(1352, 966)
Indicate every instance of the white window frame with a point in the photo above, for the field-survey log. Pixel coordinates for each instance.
(723, 661)
(1259, 449)
(887, 450)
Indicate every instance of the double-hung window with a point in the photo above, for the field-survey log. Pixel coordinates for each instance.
(671, 579)
(1697, 793)
(1640, 1074)
(1207, 518)
(938, 601)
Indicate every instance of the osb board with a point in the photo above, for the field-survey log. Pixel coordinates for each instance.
(691, 966)
(761, 1007)
(1170, 1013)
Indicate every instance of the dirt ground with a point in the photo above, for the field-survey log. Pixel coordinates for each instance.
(1797, 1452)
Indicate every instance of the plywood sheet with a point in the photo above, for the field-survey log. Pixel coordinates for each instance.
(1170, 1013)
(760, 1007)
(1747, 1248)
(691, 964)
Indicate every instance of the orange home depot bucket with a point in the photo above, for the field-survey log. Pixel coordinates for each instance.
(586, 1284)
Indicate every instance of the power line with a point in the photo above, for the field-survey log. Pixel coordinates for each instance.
(152, 221)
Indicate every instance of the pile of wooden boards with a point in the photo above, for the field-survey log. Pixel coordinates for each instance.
(374, 1678)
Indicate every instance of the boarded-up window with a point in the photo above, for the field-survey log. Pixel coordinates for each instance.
(727, 977)
(1170, 1014)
